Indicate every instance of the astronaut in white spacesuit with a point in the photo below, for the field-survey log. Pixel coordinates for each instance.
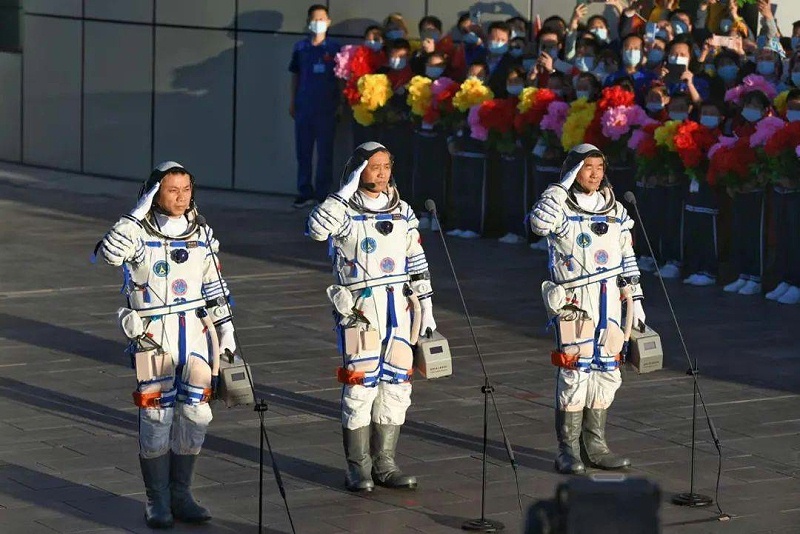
(382, 301)
(177, 320)
(593, 268)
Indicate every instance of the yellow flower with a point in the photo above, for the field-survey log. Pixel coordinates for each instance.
(665, 135)
(362, 115)
(375, 90)
(419, 95)
(579, 116)
(526, 99)
(780, 102)
(471, 93)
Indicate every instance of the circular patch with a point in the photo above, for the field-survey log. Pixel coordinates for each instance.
(387, 265)
(179, 286)
(179, 255)
(583, 240)
(601, 257)
(369, 245)
(161, 268)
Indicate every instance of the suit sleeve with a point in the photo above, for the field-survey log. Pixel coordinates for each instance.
(123, 243)
(215, 289)
(547, 216)
(416, 262)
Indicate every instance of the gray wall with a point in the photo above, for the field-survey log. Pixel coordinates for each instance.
(112, 87)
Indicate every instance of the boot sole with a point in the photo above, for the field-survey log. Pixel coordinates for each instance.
(408, 487)
(358, 490)
(157, 525)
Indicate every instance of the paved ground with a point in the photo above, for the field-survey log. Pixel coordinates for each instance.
(67, 426)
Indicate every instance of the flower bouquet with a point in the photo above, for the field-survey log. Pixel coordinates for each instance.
(432, 101)
(580, 116)
(374, 91)
(532, 107)
(692, 142)
(729, 165)
(781, 152)
(493, 122)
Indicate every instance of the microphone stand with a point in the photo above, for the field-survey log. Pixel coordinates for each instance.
(481, 524)
(260, 405)
(689, 498)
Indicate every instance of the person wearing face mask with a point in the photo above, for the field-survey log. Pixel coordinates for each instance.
(314, 102)
(471, 37)
(394, 27)
(586, 55)
(679, 58)
(592, 270)
(436, 66)
(726, 64)
(382, 304)
(633, 68)
(373, 38)
(478, 70)
(656, 54)
(430, 33)
(549, 46)
(497, 59)
(516, 48)
(747, 254)
(793, 79)
(786, 221)
(668, 194)
(700, 214)
(795, 38)
(769, 63)
(587, 86)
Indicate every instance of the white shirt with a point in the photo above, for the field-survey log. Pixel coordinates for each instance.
(592, 202)
(376, 203)
(172, 226)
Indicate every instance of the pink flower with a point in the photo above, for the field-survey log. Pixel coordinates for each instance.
(637, 116)
(342, 69)
(615, 123)
(555, 117)
(477, 130)
(637, 137)
(723, 142)
(765, 129)
(440, 85)
(753, 82)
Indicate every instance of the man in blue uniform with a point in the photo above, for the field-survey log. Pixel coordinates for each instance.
(314, 101)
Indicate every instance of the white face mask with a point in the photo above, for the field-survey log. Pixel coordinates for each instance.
(584, 63)
(600, 33)
(318, 27)
(679, 60)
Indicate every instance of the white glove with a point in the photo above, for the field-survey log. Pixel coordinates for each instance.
(145, 203)
(569, 178)
(349, 189)
(638, 313)
(427, 317)
(226, 339)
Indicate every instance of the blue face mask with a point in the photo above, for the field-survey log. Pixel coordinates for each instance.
(600, 33)
(397, 63)
(654, 107)
(796, 79)
(583, 94)
(765, 68)
(751, 115)
(317, 26)
(515, 52)
(725, 25)
(656, 55)
(375, 46)
(709, 121)
(584, 63)
(728, 72)
(471, 38)
(529, 63)
(514, 89)
(795, 43)
(662, 34)
(498, 47)
(632, 58)
(394, 34)
(678, 27)
(793, 115)
(678, 116)
(433, 72)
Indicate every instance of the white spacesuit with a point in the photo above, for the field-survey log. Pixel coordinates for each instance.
(591, 260)
(174, 293)
(381, 276)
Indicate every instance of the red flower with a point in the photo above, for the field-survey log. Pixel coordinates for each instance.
(537, 111)
(787, 138)
(444, 100)
(594, 132)
(614, 96)
(432, 115)
(692, 141)
(498, 115)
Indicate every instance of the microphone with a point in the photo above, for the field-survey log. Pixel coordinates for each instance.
(369, 185)
(200, 220)
(630, 198)
(430, 205)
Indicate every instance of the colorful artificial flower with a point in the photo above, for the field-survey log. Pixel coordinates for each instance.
(419, 95)
(579, 117)
(496, 117)
(730, 164)
(780, 103)
(375, 91)
(665, 135)
(342, 69)
(363, 116)
(532, 106)
(751, 83)
(692, 142)
(477, 130)
(615, 96)
(471, 93)
(555, 118)
(765, 129)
